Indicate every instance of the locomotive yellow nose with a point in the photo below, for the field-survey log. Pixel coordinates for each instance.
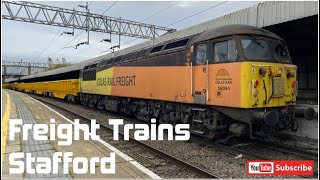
(276, 84)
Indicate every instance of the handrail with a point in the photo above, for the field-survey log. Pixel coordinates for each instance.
(191, 78)
(207, 80)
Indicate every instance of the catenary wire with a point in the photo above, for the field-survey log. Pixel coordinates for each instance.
(109, 7)
(69, 41)
(183, 19)
(141, 22)
(55, 38)
(98, 41)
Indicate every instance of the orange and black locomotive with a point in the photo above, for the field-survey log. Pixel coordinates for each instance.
(235, 79)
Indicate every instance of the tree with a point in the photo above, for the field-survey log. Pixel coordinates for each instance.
(56, 66)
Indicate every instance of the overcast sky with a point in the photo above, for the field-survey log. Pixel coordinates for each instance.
(26, 41)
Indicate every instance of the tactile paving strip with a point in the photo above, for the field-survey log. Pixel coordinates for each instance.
(36, 148)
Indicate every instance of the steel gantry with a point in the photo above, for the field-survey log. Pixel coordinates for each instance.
(70, 18)
(24, 64)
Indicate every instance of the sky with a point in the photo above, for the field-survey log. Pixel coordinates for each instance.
(35, 43)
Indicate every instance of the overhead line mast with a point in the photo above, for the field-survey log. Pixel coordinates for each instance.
(62, 17)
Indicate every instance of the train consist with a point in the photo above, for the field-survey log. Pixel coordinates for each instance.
(235, 79)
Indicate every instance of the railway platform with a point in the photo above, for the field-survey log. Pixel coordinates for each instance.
(17, 105)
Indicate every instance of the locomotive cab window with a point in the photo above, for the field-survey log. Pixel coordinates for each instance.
(201, 57)
(259, 48)
(279, 50)
(89, 75)
(256, 49)
(225, 51)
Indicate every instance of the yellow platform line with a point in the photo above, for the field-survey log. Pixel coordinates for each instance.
(4, 126)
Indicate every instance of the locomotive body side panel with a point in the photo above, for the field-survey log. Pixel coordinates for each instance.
(229, 84)
(225, 84)
(167, 83)
(102, 84)
(171, 83)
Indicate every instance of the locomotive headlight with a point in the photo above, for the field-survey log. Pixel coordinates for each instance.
(280, 70)
(270, 72)
(290, 74)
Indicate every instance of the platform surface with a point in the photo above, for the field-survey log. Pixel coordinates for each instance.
(33, 112)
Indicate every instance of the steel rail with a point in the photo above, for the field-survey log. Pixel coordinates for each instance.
(223, 147)
(288, 149)
(249, 155)
(195, 169)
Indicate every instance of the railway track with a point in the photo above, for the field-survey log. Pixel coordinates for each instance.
(236, 148)
(229, 149)
(201, 173)
(288, 149)
(232, 149)
(236, 151)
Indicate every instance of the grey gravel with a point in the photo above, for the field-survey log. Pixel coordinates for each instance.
(213, 160)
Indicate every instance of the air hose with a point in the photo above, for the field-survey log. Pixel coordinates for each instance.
(272, 90)
(265, 91)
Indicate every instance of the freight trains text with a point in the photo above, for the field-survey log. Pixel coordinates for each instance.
(117, 81)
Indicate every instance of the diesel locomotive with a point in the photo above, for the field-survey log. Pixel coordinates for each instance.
(235, 79)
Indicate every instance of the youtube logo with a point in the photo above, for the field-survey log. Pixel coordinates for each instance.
(260, 167)
(266, 167)
(280, 167)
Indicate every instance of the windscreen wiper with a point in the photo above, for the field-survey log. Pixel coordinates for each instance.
(255, 40)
